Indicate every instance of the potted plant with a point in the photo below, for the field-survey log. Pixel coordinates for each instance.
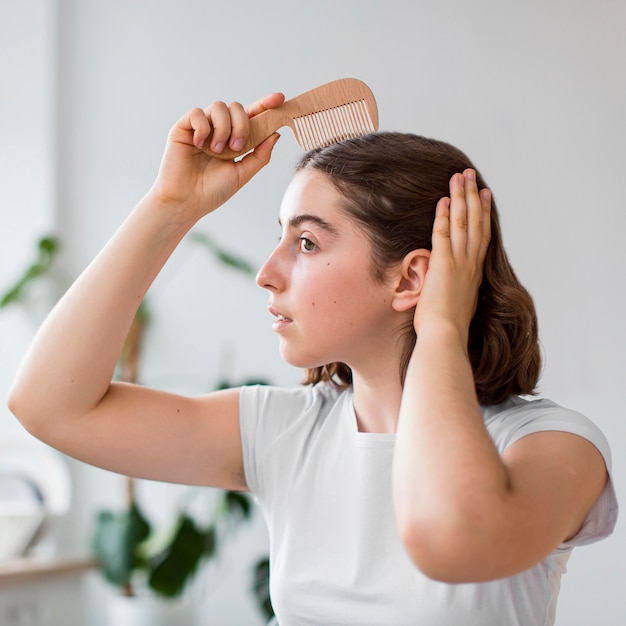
(152, 570)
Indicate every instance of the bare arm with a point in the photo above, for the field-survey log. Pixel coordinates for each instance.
(63, 391)
(466, 513)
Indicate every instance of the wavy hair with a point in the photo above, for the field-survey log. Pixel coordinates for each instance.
(390, 184)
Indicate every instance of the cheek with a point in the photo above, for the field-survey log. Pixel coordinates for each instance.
(336, 293)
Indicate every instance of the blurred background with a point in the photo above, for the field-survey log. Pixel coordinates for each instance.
(533, 92)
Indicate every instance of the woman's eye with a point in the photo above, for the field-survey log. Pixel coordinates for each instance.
(306, 245)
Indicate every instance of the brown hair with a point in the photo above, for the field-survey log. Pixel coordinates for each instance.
(390, 184)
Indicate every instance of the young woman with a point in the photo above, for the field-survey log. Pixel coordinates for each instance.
(408, 482)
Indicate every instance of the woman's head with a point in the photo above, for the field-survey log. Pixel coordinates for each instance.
(390, 184)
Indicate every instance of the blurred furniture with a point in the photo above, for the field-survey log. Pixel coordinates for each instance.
(42, 592)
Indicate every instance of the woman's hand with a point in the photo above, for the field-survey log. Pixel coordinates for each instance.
(461, 235)
(191, 178)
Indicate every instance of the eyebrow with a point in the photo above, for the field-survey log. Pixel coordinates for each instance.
(297, 220)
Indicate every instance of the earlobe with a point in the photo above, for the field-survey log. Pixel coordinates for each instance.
(410, 279)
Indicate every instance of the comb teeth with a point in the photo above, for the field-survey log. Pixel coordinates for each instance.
(323, 128)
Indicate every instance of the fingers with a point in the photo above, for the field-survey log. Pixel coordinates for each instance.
(192, 128)
(458, 212)
(230, 123)
(485, 202)
(222, 124)
(230, 126)
(441, 226)
(470, 215)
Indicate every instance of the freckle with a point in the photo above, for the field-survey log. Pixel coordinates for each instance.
(327, 264)
(177, 410)
(312, 303)
(334, 301)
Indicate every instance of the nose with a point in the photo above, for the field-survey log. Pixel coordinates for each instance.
(269, 276)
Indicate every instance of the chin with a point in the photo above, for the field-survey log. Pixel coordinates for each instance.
(300, 360)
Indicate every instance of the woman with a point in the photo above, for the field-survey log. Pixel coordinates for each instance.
(409, 483)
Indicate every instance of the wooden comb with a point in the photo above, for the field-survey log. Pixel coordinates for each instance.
(338, 110)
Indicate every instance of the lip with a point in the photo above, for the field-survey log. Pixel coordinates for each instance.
(282, 321)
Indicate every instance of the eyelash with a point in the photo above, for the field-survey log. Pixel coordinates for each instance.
(304, 241)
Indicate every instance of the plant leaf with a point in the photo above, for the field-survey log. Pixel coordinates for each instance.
(47, 248)
(115, 542)
(261, 587)
(178, 562)
(238, 505)
(223, 256)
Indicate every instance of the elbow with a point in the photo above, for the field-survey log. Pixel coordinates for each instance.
(432, 549)
(452, 549)
(17, 404)
(20, 403)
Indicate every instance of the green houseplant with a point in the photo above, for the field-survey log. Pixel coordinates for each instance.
(131, 553)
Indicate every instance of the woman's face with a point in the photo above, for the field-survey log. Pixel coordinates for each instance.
(327, 305)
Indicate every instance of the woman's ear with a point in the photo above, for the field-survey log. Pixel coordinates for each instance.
(410, 279)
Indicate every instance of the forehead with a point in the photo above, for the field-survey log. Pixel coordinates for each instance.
(312, 193)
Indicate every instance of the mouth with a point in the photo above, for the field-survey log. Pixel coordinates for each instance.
(281, 322)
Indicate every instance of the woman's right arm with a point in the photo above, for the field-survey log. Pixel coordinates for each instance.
(63, 392)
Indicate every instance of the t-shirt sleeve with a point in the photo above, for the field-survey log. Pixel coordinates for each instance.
(541, 416)
(266, 415)
(248, 422)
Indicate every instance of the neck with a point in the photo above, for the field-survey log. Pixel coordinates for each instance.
(377, 402)
(376, 382)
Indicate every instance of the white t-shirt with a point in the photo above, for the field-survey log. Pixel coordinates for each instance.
(335, 553)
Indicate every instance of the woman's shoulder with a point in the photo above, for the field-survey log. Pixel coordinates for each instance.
(520, 416)
(284, 406)
(304, 395)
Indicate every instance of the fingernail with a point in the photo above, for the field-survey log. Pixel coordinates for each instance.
(471, 174)
(238, 144)
(218, 147)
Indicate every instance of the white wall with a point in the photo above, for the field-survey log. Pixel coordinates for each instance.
(534, 92)
(26, 171)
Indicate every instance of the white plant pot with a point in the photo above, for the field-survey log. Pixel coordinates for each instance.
(148, 611)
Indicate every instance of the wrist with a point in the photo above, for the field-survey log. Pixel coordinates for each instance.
(442, 332)
(173, 215)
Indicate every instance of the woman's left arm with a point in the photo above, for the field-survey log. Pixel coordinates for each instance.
(466, 513)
